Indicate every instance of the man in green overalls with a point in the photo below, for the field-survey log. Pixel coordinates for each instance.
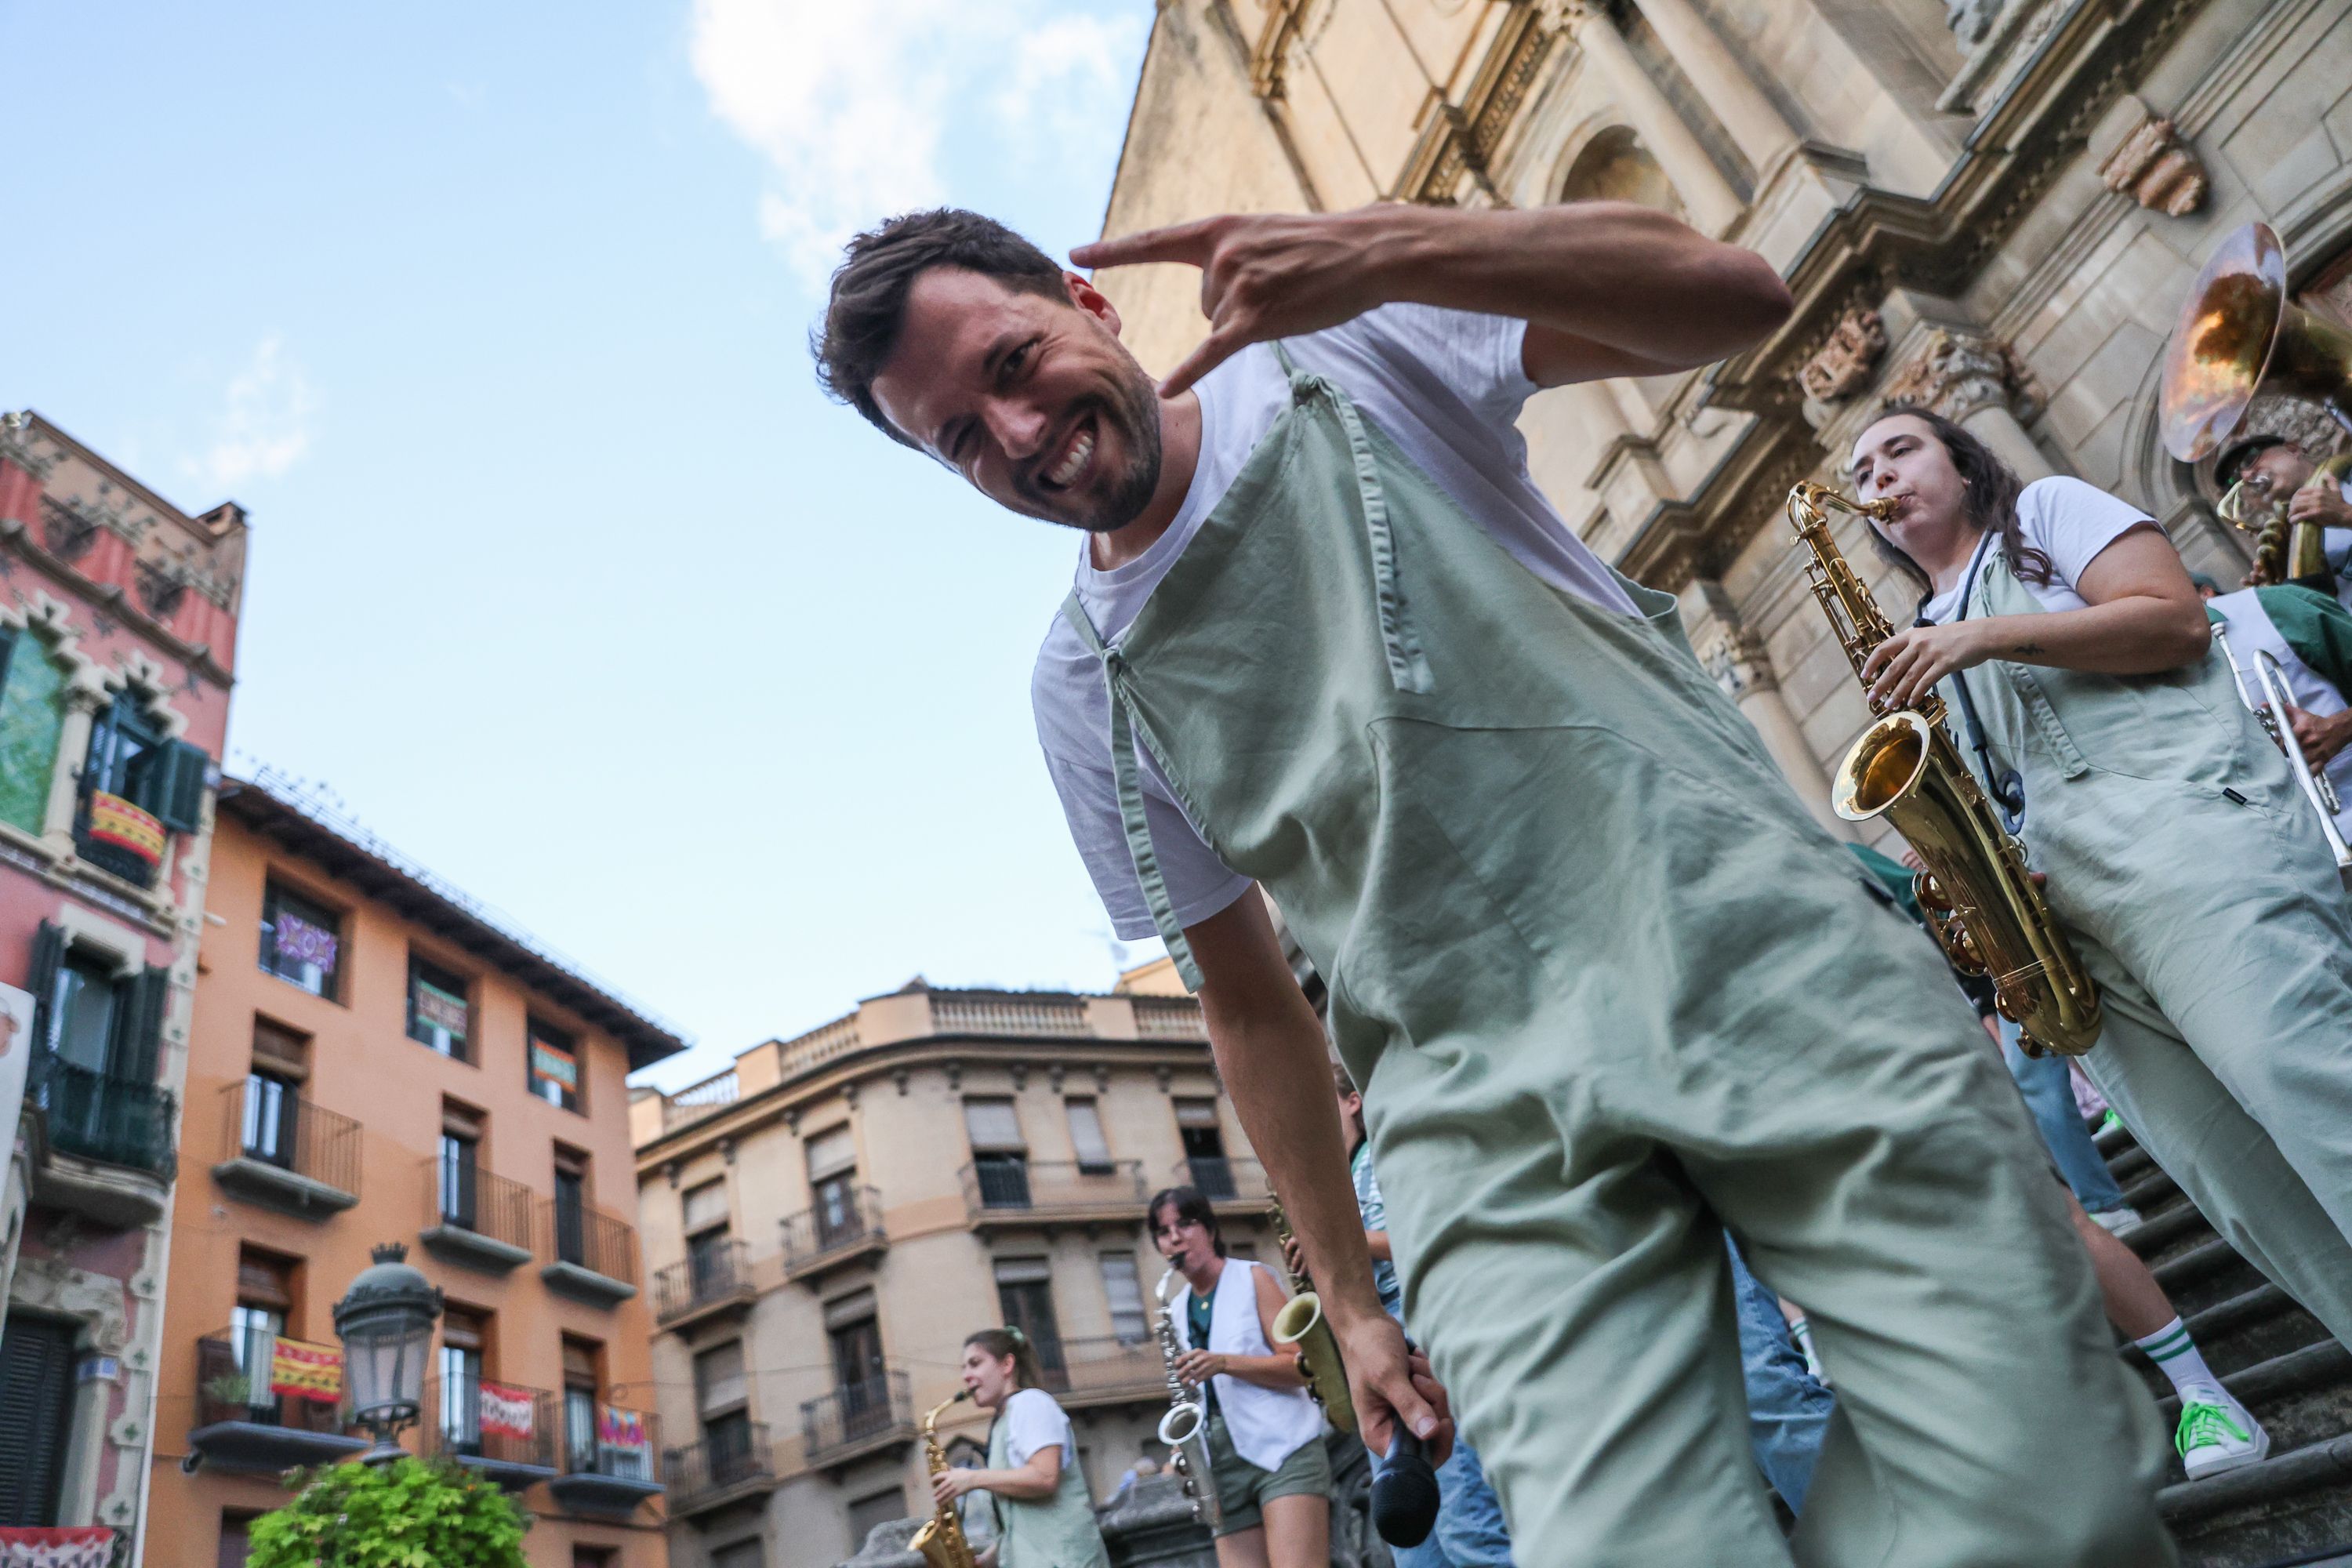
(1607, 986)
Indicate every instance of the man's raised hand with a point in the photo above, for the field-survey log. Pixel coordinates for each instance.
(1264, 278)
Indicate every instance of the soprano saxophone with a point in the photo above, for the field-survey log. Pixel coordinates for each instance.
(1185, 1428)
(1980, 900)
(1300, 1325)
(942, 1541)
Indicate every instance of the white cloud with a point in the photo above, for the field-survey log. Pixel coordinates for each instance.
(850, 101)
(265, 426)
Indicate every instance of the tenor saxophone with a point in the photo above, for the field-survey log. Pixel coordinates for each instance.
(1185, 1428)
(942, 1541)
(1979, 900)
(1301, 1325)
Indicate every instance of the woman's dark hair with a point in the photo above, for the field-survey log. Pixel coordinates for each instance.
(998, 1343)
(1191, 1205)
(868, 304)
(1990, 501)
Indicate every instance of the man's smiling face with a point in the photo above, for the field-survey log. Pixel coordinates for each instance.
(1033, 400)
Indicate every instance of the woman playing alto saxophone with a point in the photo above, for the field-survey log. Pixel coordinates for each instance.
(2183, 867)
(1045, 1517)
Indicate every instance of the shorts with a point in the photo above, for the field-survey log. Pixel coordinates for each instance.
(1244, 1489)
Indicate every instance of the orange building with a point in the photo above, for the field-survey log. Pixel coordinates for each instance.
(375, 1057)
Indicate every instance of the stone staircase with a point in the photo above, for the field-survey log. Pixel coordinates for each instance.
(2296, 1506)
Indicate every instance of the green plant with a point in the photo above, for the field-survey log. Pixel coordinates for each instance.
(406, 1514)
(229, 1388)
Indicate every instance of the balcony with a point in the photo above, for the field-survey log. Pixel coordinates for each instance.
(283, 1152)
(119, 838)
(845, 1227)
(481, 1221)
(1007, 1190)
(595, 1253)
(714, 1281)
(1240, 1184)
(872, 1415)
(107, 1149)
(733, 1466)
(505, 1433)
(608, 1466)
(1083, 1374)
(242, 1425)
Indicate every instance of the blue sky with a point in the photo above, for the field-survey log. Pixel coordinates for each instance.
(564, 576)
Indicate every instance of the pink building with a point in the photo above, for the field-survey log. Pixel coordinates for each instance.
(117, 636)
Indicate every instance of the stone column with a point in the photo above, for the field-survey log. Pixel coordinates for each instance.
(1711, 201)
(1752, 119)
(1735, 656)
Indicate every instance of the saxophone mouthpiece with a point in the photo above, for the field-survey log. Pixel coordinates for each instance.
(962, 1395)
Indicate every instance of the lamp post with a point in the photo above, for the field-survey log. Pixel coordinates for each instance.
(385, 1322)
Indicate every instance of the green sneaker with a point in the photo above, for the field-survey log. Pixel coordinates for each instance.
(2216, 1435)
(2109, 1121)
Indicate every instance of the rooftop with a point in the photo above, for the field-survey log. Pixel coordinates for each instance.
(291, 814)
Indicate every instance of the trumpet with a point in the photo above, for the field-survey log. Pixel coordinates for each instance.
(1185, 1428)
(1300, 1326)
(2317, 787)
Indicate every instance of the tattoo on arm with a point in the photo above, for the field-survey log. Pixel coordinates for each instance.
(2026, 649)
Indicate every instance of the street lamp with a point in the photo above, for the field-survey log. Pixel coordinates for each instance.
(386, 1323)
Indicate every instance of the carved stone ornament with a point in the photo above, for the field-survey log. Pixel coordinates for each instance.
(1737, 660)
(1956, 375)
(1845, 363)
(2157, 168)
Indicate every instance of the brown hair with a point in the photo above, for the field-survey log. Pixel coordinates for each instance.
(998, 1343)
(1990, 501)
(868, 303)
(1189, 1203)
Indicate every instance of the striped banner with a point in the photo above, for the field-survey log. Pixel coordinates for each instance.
(505, 1411)
(305, 1371)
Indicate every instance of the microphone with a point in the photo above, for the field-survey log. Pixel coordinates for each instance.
(1404, 1492)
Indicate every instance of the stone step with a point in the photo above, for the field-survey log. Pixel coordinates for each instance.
(2302, 1397)
(2290, 1505)
(2151, 1190)
(2242, 1333)
(2131, 1163)
(2202, 1276)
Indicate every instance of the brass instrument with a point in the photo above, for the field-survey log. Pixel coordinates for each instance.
(941, 1540)
(1185, 1428)
(1301, 1325)
(2317, 787)
(1979, 900)
(2284, 550)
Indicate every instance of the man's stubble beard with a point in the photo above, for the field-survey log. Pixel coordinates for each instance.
(1133, 406)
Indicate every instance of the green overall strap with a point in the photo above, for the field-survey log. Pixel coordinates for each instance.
(2072, 764)
(1128, 773)
(1407, 665)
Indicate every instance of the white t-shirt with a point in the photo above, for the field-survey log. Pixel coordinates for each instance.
(1446, 386)
(2069, 521)
(1034, 1421)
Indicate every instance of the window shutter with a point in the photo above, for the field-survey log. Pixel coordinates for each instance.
(831, 1152)
(1086, 1136)
(142, 1040)
(1196, 1113)
(993, 1124)
(175, 785)
(719, 1376)
(37, 1357)
(706, 1205)
(48, 953)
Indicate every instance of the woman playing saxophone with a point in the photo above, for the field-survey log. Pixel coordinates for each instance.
(1045, 1518)
(2058, 621)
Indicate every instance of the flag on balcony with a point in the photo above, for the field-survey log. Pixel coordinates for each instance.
(508, 1412)
(303, 943)
(619, 1428)
(305, 1371)
(114, 820)
(57, 1546)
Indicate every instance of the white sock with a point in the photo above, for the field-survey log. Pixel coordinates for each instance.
(2177, 1357)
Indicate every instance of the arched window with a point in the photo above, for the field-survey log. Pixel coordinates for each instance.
(1615, 166)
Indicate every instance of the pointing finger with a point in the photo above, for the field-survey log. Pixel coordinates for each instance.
(1212, 351)
(1186, 242)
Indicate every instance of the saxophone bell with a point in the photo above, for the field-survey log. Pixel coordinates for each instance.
(1300, 1326)
(1185, 1428)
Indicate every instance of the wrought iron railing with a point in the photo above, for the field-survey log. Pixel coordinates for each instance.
(467, 1197)
(728, 1456)
(855, 1413)
(598, 1440)
(500, 1423)
(268, 1122)
(110, 1120)
(232, 1377)
(710, 1273)
(587, 1238)
(1221, 1179)
(1004, 1183)
(843, 1220)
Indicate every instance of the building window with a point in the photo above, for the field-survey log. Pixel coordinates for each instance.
(744, 1554)
(553, 1070)
(1000, 1156)
(595, 1557)
(264, 1296)
(136, 787)
(463, 1336)
(235, 1547)
(721, 1397)
(708, 1231)
(832, 1184)
(572, 1206)
(1205, 1147)
(873, 1510)
(272, 1108)
(461, 1165)
(1086, 1137)
(581, 1379)
(1123, 1288)
(32, 723)
(438, 1015)
(87, 1006)
(99, 1029)
(36, 1365)
(301, 941)
(1024, 1297)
